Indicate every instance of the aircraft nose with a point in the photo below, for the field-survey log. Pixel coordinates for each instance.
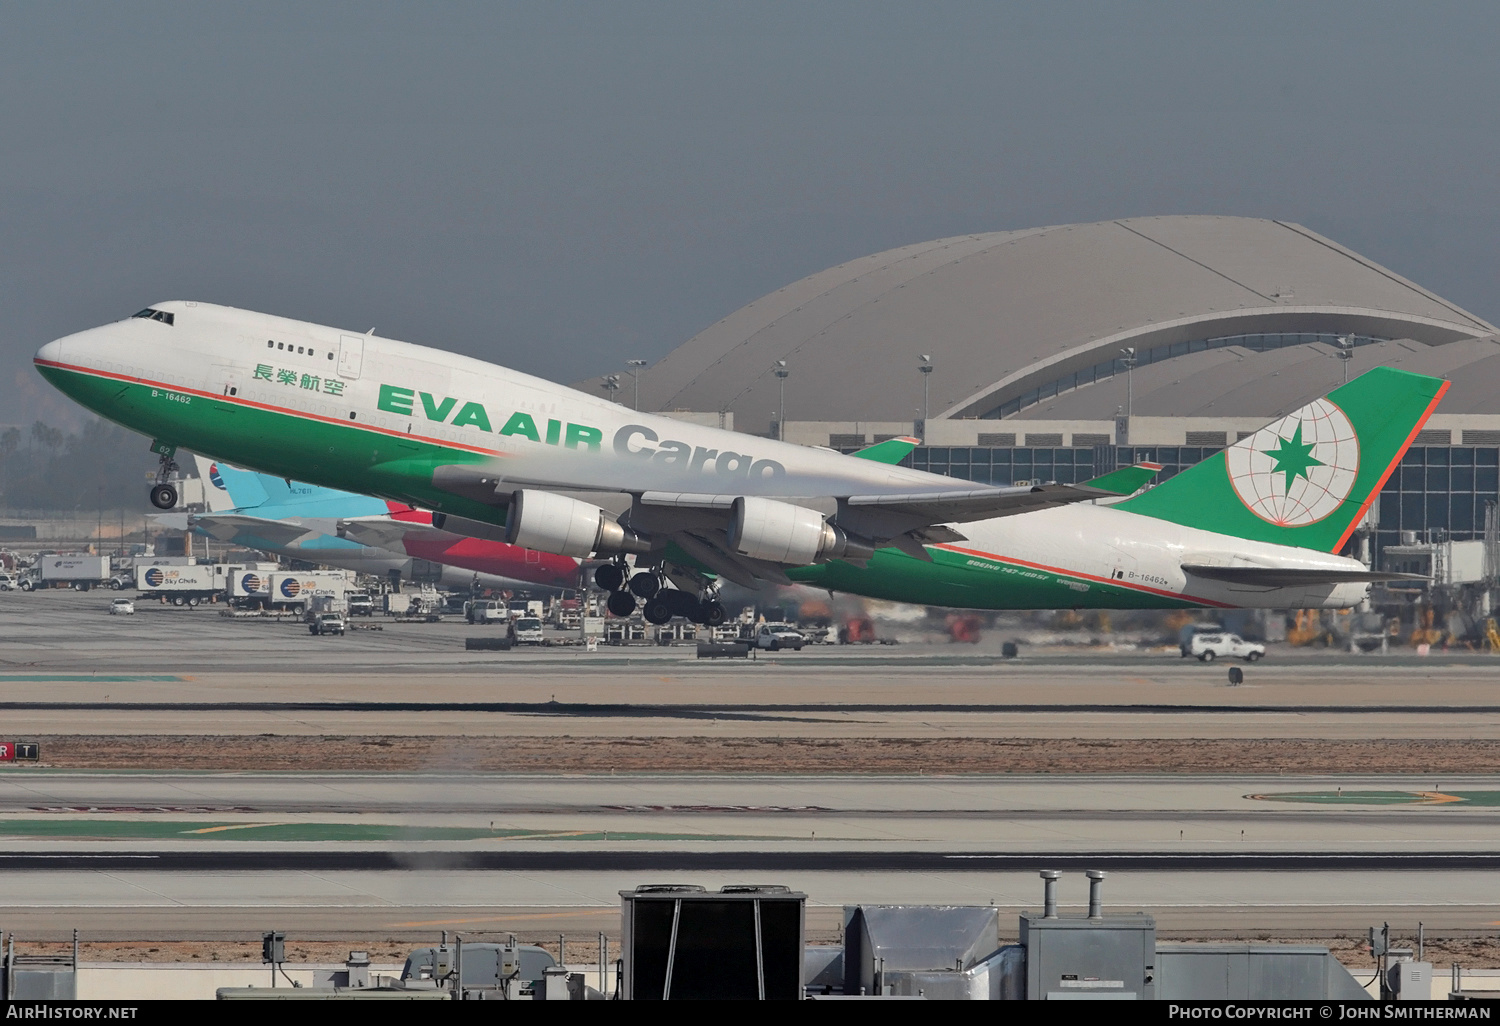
(52, 352)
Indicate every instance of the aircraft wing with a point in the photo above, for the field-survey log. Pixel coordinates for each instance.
(229, 526)
(966, 504)
(1291, 577)
(389, 533)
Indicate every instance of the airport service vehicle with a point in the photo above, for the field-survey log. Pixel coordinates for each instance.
(8, 582)
(361, 604)
(479, 611)
(303, 587)
(327, 623)
(1208, 647)
(78, 572)
(249, 587)
(525, 607)
(776, 636)
(424, 603)
(357, 532)
(122, 607)
(180, 585)
(504, 456)
(526, 630)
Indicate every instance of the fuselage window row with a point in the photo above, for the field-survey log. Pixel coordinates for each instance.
(301, 350)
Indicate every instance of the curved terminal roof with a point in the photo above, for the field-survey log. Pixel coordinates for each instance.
(1005, 314)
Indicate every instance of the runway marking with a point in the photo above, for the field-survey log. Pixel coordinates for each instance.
(92, 678)
(118, 829)
(1341, 797)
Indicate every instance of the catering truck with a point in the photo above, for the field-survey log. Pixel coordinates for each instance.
(179, 585)
(79, 572)
(292, 588)
(249, 589)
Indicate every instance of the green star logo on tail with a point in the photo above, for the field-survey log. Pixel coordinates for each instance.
(1294, 458)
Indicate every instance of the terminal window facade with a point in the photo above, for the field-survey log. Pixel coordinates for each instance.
(1438, 491)
(1103, 371)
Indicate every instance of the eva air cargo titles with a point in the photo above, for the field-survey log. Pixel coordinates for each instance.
(671, 508)
(632, 440)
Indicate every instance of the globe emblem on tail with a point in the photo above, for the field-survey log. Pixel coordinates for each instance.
(1298, 470)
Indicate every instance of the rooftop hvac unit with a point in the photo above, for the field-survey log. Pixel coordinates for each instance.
(683, 942)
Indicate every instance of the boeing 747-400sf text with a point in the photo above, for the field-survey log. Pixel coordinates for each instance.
(503, 455)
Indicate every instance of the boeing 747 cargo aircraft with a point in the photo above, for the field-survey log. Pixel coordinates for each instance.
(503, 455)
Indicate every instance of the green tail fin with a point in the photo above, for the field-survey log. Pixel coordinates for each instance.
(1126, 480)
(1307, 479)
(892, 450)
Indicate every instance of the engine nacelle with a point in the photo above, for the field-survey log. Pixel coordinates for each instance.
(781, 532)
(555, 523)
(480, 529)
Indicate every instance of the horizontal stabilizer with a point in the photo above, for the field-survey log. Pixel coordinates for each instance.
(1291, 577)
(1126, 480)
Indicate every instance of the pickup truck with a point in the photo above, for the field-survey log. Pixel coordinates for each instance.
(326, 623)
(1207, 647)
(776, 636)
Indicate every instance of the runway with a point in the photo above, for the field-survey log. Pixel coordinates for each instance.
(404, 848)
(1220, 856)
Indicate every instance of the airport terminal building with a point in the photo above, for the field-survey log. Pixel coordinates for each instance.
(1059, 353)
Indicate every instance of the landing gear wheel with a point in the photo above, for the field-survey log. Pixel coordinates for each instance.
(621, 603)
(164, 496)
(658, 610)
(610, 576)
(714, 614)
(645, 584)
(1207, 657)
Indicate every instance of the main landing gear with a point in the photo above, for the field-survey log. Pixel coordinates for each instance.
(662, 602)
(163, 493)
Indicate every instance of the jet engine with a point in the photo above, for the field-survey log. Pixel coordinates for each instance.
(780, 532)
(555, 523)
(468, 528)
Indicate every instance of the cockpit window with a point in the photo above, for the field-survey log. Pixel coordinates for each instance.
(155, 315)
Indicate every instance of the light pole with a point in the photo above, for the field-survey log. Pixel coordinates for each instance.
(1129, 358)
(635, 376)
(781, 375)
(1346, 353)
(611, 385)
(926, 370)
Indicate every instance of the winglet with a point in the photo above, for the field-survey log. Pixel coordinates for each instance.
(892, 450)
(1126, 480)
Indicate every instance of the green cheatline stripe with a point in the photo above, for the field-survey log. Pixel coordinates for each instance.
(113, 829)
(84, 678)
(1384, 797)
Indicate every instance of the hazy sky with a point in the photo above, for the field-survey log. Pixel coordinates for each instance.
(560, 187)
